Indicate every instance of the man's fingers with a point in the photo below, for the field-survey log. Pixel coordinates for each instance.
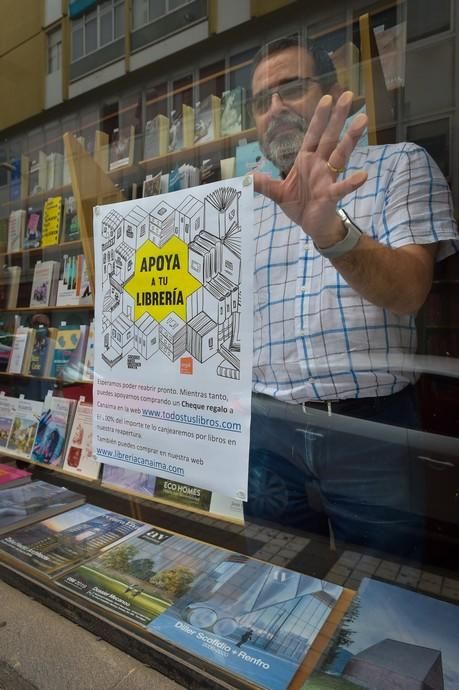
(339, 190)
(264, 184)
(317, 125)
(331, 133)
(339, 157)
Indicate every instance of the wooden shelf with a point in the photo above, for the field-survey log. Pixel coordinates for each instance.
(200, 149)
(63, 246)
(29, 376)
(38, 198)
(70, 307)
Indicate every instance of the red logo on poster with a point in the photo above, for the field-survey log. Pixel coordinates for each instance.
(186, 365)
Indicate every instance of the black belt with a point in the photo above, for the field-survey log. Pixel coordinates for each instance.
(353, 405)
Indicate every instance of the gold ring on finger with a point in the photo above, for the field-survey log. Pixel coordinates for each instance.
(333, 169)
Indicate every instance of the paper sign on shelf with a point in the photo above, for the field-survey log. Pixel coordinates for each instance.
(174, 335)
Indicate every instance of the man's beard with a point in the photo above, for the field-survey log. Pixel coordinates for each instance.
(283, 139)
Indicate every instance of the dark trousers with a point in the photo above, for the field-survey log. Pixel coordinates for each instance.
(353, 469)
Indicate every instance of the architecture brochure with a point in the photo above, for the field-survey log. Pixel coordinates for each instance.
(174, 332)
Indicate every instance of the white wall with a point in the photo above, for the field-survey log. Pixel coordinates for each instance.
(53, 11)
(53, 89)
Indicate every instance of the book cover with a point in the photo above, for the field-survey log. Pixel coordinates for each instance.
(43, 285)
(392, 638)
(34, 501)
(79, 457)
(254, 619)
(38, 174)
(156, 140)
(207, 120)
(16, 227)
(249, 158)
(145, 575)
(122, 147)
(61, 542)
(54, 170)
(49, 441)
(152, 185)
(32, 232)
(14, 283)
(69, 352)
(5, 281)
(15, 179)
(3, 234)
(71, 223)
(128, 480)
(176, 131)
(233, 105)
(188, 125)
(88, 369)
(11, 477)
(6, 341)
(20, 350)
(7, 414)
(52, 213)
(24, 428)
(42, 352)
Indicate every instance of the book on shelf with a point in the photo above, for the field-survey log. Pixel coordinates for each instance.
(7, 328)
(152, 185)
(45, 283)
(249, 158)
(43, 340)
(73, 285)
(21, 351)
(128, 480)
(32, 230)
(10, 477)
(5, 282)
(24, 505)
(156, 141)
(61, 542)
(25, 287)
(15, 179)
(70, 223)
(16, 229)
(122, 147)
(38, 174)
(24, 428)
(49, 443)
(70, 352)
(228, 168)
(7, 414)
(210, 170)
(207, 120)
(54, 170)
(79, 456)
(392, 637)
(3, 235)
(14, 283)
(176, 131)
(188, 125)
(88, 369)
(233, 110)
(52, 218)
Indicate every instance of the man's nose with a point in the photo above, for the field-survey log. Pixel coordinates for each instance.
(277, 104)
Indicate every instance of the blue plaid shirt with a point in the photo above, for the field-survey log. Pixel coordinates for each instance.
(315, 338)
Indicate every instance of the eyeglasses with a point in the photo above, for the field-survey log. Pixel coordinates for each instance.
(289, 91)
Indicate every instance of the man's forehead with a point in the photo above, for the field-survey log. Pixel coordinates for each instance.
(282, 65)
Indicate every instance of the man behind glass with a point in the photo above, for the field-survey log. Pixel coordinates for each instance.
(346, 244)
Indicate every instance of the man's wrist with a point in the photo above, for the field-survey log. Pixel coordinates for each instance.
(346, 243)
(337, 233)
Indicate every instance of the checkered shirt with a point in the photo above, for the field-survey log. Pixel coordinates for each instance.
(315, 338)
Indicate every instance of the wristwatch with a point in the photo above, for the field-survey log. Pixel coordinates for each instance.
(349, 241)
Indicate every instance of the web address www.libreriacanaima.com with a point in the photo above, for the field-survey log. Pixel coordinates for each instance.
(139, 460)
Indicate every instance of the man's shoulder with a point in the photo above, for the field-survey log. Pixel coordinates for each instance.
(386, 154)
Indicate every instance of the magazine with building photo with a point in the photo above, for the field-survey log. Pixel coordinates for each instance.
(152, 185)
(391, 638)
(144, 576)
(24, 428)
(23, 505)
(63, 541)
(51, 433)
(10, 476)
(79, 457)
(256, 620)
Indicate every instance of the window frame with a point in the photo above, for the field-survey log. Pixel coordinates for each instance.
(150, 20)
(108, 7)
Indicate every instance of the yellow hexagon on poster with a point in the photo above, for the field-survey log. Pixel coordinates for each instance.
(161, 282)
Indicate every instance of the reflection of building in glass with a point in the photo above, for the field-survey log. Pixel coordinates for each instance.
(392, 664)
